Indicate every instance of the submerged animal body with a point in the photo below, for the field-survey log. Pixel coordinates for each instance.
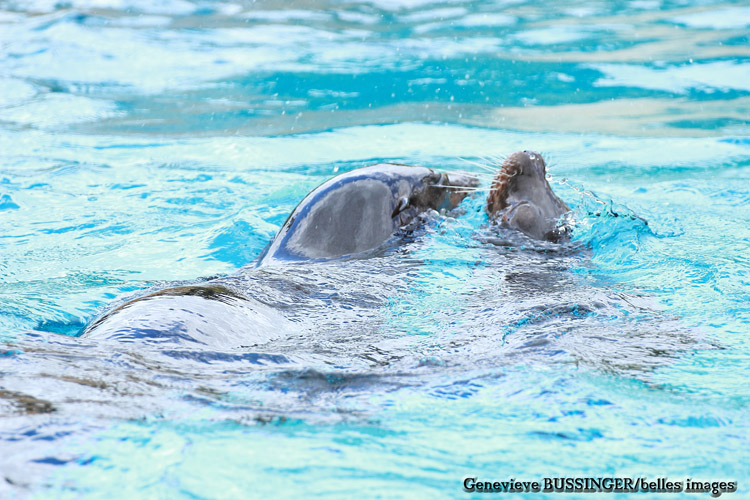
(209, 314)
(522, 199)
(359, 210)
(345, 216)
(349, 214)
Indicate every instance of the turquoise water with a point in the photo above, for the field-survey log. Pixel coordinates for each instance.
(143, 143)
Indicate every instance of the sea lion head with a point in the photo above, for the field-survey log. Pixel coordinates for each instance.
(522, 199)
(359, 210)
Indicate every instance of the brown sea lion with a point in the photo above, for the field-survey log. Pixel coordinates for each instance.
(522, 199)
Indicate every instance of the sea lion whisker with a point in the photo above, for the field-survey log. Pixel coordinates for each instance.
(480, 165)
(499, 160)
(461, 189)
(471, 190)
(486, 178)
(491, 160)
(478, 175)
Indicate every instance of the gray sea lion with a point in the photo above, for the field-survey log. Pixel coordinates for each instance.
(522, 199)
(360, 209)
(351, 213)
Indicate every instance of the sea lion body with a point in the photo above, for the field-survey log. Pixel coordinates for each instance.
(210, 314)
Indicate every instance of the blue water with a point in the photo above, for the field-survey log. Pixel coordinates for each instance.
(147, 143)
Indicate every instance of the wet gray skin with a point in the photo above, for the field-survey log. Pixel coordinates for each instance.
(522, 199)
(359, 210)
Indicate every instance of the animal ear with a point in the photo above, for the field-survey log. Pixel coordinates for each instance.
(401, 205)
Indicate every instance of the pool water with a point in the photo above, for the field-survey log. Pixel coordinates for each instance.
(148, 143)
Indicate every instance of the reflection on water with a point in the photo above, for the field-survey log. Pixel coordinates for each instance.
(269, 69)
(146, 145)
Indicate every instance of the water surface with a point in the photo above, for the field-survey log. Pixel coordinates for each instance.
(143, 144)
